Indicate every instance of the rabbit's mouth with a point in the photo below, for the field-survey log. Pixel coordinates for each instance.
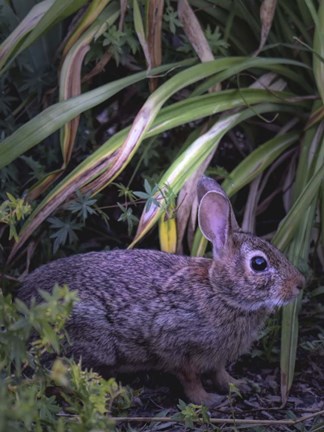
(269, 304)
(281, 301)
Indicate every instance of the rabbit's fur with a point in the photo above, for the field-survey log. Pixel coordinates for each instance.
(145, 309)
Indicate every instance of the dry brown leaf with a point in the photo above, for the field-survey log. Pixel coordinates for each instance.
(267, 11)
(195, 35)
(188, 206)
(194, 31)
(123, 7)
(269, 81)
(154, 38)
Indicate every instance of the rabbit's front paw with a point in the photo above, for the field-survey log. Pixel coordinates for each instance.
(222, 380)
(242, 385)
(211, 400)
(199, 396)
(195, 391)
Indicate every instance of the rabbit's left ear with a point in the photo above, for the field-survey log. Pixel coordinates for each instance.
(214, 221)
(215, 215)
(207, 184)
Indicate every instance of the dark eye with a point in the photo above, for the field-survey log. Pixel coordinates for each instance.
(258, 263)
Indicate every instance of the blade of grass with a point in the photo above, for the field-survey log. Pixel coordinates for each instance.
(318, 45)
(139, 28)
(194, 31)
(267, 11)
(70, 76)
(148, 112)
(154, 20)
(55, 116)
(70, 86)
(100, 160)
(307, 191)
(167, 233)
(257, 162)
(57, 11)
(191, 159)
(94, 10)
(11, 43)
(251, 167)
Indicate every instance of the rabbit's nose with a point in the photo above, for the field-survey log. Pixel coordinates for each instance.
(296, 290)
(299, 284)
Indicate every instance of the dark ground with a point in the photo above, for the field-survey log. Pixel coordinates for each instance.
(159, 394)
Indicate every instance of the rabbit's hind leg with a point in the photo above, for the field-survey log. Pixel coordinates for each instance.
(194, 390)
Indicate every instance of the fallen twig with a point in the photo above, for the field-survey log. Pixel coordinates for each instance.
(284, 422)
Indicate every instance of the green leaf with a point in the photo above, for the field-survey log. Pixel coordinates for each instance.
(64, 232)
(56, 12)
(128, 217)
(55, 116)
(82, 206)
(96, 163)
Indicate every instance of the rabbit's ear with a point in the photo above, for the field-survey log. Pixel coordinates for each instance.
(207, 184)
(214, 217)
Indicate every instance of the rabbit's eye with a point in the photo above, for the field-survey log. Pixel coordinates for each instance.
(258, 263)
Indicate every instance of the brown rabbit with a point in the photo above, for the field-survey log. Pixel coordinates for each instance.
(145, 309)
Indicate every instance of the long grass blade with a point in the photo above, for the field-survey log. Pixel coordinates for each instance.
(57, 11)
(251, 167)
(267, 11)
(308, 186)
(99, 161)
(55, 116)
(94, 10)
(9, 45)
(70, 76)
(70, 86)
(191, 159)
(318, 45)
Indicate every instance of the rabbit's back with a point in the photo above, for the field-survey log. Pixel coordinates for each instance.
(129, 310)
(116, 273)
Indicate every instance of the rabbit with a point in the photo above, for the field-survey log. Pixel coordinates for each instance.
(145, 309)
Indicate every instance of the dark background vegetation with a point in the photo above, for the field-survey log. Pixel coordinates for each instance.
(277, 195)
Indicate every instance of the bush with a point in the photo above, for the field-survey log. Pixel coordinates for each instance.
(60, 398)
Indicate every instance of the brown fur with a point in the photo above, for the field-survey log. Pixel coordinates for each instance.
(145, 309)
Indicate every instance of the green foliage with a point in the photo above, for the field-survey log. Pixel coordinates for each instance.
(37, 169)
(83, 206)
(128, 217)
(192, 414)
(218, 45)
(12, 211)
(125, 192)
(120, 43)
(149, 194)
(64, 231)
(171, 18)
(62, 398)
(89, 398)
(165, 201)
(18, 321)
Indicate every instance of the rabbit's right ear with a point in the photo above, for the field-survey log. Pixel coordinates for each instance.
(215, 215)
